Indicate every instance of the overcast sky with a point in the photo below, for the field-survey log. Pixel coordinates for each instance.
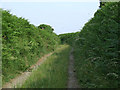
(64, 17)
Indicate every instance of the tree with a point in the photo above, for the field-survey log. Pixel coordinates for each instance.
(47, 27)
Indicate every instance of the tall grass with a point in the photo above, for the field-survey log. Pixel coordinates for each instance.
(53, 73)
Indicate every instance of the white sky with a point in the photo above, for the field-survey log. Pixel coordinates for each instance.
(58, 0)
(49, 0)
(64, 17)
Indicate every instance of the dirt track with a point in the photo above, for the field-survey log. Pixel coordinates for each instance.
(72, 81)
(18, 81)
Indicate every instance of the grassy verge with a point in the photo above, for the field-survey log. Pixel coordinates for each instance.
(16, 73)
(53, 73)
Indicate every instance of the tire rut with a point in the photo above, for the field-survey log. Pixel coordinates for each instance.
(19, 80)
(72, 80)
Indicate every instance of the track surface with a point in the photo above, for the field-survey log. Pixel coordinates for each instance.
(72, 81)
(18, 81)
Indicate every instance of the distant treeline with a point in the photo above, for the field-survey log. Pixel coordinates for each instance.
(69, 38)
(23, 44)
(97, 49)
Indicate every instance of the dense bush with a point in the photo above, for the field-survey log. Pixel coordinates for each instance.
(46, 27)
(23, 44)
(69, 38)
(97, 49)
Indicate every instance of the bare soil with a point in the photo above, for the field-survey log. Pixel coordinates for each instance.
(19, 80)
(72, 80)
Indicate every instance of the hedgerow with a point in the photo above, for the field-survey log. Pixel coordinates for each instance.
(97, 49)
(23, 44)
(69, 38)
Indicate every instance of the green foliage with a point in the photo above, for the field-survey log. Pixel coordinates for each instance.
(53, 73)
(68, 38)
(23, 44)
(102, 3)
(97, 49)
(0, 49)
(46, 27)
(97, 58)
